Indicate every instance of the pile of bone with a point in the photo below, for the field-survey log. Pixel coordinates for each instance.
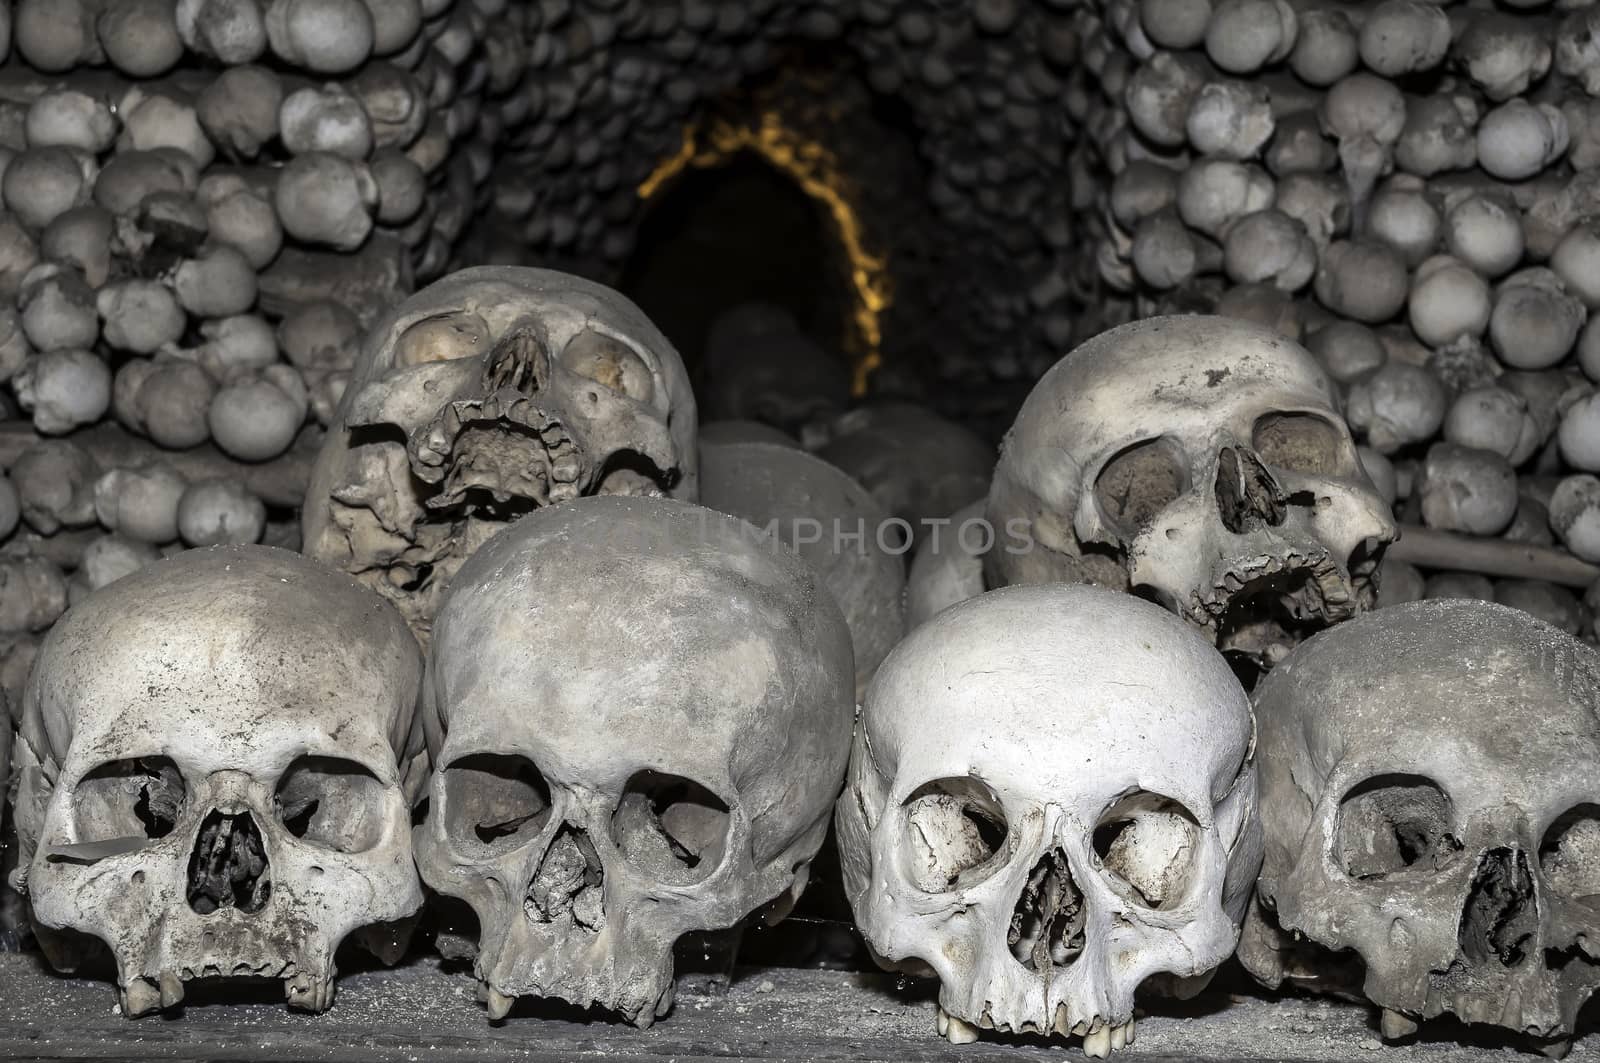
(203, 204)
(1409, 188)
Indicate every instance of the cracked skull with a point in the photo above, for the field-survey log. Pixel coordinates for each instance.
(1202, 462)
(1050, 800)
(1433, 826)
(488, 394)
(640, 720)
(215, 765)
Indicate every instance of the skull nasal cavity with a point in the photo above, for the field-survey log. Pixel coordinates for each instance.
(228, 868)
(1047, 926)
(1501, 914)
(1247, 496)
(570, 883)
(518, 361)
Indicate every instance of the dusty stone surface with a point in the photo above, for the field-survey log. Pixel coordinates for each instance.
(425, 1012)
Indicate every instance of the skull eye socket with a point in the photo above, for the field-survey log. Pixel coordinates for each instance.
(1299, 442)
(671, 828)
(1136, 485)
(1148, 845)
(496, 801)
(333, 803)
(955, 829)
(1393, 823)
(1570, 854)
(128, 800)
(444, 338)
(610, 363)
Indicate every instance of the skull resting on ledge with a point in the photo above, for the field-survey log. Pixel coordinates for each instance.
(490, 393)
(216, 765)
(639, 712)
(1051, 800)
(1430, 788)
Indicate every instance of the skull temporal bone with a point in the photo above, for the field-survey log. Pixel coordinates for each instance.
(641, 718)
(1202, 461)
(1050, 800)
(486, 394)
(217, 755)
(1437, 817)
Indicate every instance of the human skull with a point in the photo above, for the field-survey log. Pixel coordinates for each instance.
(947, 570)
(489, 393)
(12, 919)
(918, 465)
(7, 736)
(215, 769)
(1436, 816)
(1051, 799)
(826, 518)
(759, 365)
(1200, 461)
(640, 718)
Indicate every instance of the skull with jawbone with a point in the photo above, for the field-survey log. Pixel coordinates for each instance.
(1051, 799)
(492, 392)
(1433, 824)
(1202, 462)
(216, 765)
(640, 716)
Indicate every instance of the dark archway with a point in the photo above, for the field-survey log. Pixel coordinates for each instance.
(729, 234)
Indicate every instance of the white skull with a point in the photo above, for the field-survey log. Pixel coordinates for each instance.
(491, 392)
(640, 720)
(215, 765)
(1051, 799)
(1203, 462)
(1430, 789)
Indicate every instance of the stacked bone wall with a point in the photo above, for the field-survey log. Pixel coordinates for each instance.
(1408, 189)
(204, 203)
(205, 200)
(979, 290)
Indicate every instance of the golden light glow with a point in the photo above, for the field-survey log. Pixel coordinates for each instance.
(671, 166)
(814, 169)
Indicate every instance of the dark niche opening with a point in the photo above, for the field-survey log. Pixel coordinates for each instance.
(735, 233)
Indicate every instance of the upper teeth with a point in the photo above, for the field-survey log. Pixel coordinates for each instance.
(1098, 1043)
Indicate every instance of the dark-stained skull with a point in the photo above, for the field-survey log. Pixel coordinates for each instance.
(490, 393)
(215, 772)
(640, 716)
(1430, 796)
(1202, 462)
